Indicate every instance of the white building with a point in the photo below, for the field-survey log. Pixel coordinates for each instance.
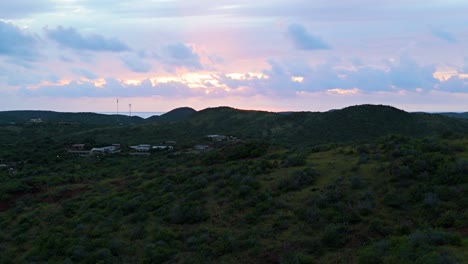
(104, 150)
(163, 147)
(141, 147)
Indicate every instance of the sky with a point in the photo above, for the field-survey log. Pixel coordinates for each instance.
(276, 55)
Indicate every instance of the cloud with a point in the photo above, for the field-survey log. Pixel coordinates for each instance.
(136, 62)
(85, 73)
(408, 74)
(175, 89)
(454, 84)
(286, 78)
(71, 38)
(13, 75)
(112, 88)
(444, 35)
(303, 40)
(465, 69)
(181, 55)
(17, 43)
(66, 59)
(23, 8)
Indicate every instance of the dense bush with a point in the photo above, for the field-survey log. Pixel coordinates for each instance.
(299, 179)
(418, 247)
(239, 202)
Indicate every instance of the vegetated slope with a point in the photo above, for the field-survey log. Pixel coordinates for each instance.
(364, 122)
(397, 200)
(8, 117)
(85, 118)
(356, 123)
(230, 121)
(177, 114)
(457, 115)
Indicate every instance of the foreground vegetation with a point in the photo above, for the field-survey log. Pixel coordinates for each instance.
(395, 199)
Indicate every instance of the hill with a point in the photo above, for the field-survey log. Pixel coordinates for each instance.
(363, 184)
(395, 200)
(457, 115)
(364, 122)
(177, 114)
(7, 117)
(357, 123)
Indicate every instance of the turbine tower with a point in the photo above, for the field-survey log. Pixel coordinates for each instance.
(130, 110)
(117, 106)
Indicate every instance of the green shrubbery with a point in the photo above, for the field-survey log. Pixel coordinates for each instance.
(418, 247)
(397, 200)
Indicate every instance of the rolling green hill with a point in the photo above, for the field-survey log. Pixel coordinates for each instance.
(364, 184)
(177, 114)
(457, 115)
(7, 117)
(358, 123)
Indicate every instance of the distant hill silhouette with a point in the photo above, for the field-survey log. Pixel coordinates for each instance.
(361, 122)
(23, 116)
(355, 123)
(50, 116)
(457, 115)
(177, 114)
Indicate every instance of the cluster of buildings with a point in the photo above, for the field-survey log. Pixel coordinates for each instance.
(219, 138)
(9, 166)
(146, 149)
(142, 149)
(35, 121)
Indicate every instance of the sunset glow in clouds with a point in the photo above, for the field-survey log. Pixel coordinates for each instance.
(81, 55)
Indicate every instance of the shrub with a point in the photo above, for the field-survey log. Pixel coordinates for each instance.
(295, 160)
(356, 182)
(158, 252)
(418, 247)
(334, 235)
(296, 258)
(312, 216)
(188, 213)
(299, 180)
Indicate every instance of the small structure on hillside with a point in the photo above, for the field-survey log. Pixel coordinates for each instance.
(201, 147)
(78, 149)
(77, 146)
(35, 121)
(219, 138)
(162, 147)
(140, 153)
(105, 150)
(141, 148)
